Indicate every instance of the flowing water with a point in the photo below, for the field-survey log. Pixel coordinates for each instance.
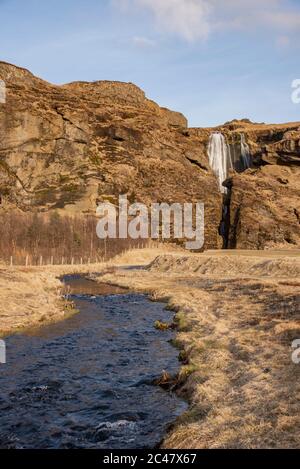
(223, 157)
(245, 153)
(87, 382)
(218, 158)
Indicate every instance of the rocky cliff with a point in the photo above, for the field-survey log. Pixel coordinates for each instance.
(263, 203)
(69, 147)
(265, 200)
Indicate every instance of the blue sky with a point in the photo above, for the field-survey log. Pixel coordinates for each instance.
(213, 60)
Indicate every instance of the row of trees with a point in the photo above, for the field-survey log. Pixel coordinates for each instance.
(52, 238)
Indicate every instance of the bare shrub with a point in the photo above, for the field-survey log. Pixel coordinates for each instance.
(52, 238)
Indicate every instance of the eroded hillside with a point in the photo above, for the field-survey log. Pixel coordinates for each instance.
(69, 147)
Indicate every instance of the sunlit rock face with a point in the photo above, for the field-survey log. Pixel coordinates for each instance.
(261, 206)
(265, 208)
(69, 147)
(264, 204)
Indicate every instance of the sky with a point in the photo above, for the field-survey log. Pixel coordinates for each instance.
(212, 60)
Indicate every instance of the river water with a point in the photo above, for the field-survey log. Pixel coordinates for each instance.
(87, 382)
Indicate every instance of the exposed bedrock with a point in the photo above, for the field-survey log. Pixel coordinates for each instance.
(69, 147)
(261, 205)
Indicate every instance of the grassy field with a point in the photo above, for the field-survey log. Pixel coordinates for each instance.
(34, 296)
(237, 315)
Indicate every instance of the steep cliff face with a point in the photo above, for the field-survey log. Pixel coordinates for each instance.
(265, 200)
(263, 204)
(69, 147)
(265, 208)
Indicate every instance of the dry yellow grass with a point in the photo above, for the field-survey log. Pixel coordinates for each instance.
(28, 298)
(33, 296)
(239, 315)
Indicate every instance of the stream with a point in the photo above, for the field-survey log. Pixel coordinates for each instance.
(86, 382)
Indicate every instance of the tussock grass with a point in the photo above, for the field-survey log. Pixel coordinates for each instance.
(238, 315)
(30, 299)
(33, 296)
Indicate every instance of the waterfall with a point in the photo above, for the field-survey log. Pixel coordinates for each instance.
(2, 92)
(223, 157)
(245, 153)
(219, 157)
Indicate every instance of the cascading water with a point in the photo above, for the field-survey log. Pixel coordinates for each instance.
(219, 158)
(245, 153)
(223, 157)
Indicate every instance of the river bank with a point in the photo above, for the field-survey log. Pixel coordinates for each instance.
(237, 316)
(87, 382)
(34, 296)
(237, 312)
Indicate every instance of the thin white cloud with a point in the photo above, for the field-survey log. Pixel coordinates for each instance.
(283, 42)
(143, 42)
(187, 18)
(195, 20)
(252, 14)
